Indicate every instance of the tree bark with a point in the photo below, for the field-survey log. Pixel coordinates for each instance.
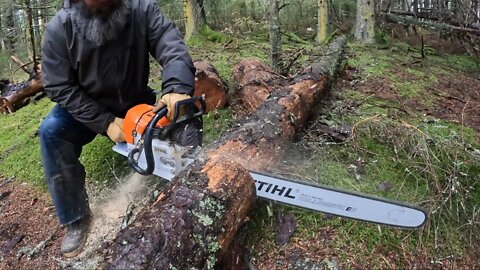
(20, 95)
(365, 23)
(254, 82)
(10, 29)
(209, 83)
(194, 17)
(196, 217)
(322, 20)
(275, 35)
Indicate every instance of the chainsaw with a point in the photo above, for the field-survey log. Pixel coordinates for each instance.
(149, 151)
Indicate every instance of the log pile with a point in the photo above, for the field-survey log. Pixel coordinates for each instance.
(197, 215)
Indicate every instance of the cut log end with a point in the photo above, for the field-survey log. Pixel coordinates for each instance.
(195, 220)
(209, 83)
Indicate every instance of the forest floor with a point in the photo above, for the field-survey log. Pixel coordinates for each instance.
(393, 103)
(391, 86)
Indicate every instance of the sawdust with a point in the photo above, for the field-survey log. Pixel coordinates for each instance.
(112, 210)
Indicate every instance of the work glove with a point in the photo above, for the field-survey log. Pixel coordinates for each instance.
(169, 100)
(115, 130)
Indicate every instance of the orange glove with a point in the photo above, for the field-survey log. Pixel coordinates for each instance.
(115, 130)
(169, 100)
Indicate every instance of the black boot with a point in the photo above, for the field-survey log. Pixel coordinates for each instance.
(75, 237)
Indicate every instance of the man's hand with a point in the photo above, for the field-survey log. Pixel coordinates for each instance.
(115, 130)
(169, 100)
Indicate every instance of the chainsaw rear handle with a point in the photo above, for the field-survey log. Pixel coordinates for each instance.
(147, 145)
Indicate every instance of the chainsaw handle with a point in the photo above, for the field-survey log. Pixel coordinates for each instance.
(147, 146)
(191, 101)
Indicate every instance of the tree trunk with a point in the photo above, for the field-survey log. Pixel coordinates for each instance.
(192, 223)
(194, 17)
(322, 20)
(195, 219)
(10, 29)
(30, 32)
(275, 35)
(365, 24)
(254, 82)
(209, 83)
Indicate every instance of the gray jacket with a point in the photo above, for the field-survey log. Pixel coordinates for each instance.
(96, 84)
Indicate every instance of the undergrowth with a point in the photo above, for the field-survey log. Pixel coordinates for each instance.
(416, 159)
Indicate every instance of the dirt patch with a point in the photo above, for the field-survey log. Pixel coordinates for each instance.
(320, 251)
(455, 98)
(30, 234)
(459, 99)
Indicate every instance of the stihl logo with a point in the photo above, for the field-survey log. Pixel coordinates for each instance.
(274, 189)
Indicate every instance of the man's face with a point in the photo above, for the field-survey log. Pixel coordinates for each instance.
(101, 7)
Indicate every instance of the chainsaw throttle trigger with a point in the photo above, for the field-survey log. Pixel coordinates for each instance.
(147, 146)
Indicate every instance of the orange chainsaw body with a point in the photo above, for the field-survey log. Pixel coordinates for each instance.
(137, 119)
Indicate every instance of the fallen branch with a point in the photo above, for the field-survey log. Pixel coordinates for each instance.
(22, 66)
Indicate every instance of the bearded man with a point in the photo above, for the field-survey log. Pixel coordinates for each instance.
(95, 64)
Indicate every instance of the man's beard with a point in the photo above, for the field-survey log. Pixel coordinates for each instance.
(96, 27)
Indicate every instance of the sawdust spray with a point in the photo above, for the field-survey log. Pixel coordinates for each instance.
(114, 208)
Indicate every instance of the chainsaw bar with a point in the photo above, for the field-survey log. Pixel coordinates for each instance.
(338, 202)
(170, 160)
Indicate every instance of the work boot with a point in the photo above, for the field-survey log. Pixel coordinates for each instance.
(75, 237)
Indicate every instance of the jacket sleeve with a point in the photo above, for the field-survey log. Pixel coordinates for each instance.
(60, 82)
(167, 46)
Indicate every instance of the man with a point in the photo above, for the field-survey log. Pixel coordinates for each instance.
(95, 64)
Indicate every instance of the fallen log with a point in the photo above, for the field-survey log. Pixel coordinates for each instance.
(16, 96)
(19, 95)
(197, 215)
(254, 82)
(209, 83)
(439, 26)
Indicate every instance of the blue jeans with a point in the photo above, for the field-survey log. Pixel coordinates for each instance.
(61, 141)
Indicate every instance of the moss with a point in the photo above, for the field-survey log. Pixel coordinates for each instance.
(213, 36)
(369, 61)
(102, 164)
(19, 145)
(215, 123)
(459, 62)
